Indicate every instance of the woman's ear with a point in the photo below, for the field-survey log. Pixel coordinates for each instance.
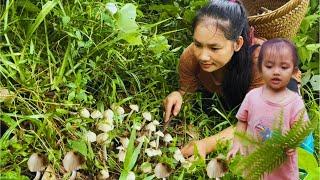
(238, 44)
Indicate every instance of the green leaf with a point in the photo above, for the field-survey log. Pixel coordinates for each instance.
(306, 160)
(307, 22)
(313, 47)
(158, 44)
(304, 54)
(45, 10)
(27, 5)
(126, 21)
(315, 82)
(65, 20)
(305, 77)
(79, 146)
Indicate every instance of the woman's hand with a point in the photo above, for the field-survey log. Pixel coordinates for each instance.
(189, 148)
(172, 104)
(236, 147)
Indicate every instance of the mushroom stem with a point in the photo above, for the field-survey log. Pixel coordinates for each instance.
(37, 175)
(157, 142)
(104, 148)
(73, 175)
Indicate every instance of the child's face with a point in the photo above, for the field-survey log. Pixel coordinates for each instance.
(277, 69)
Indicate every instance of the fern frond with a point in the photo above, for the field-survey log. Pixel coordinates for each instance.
(272, 153)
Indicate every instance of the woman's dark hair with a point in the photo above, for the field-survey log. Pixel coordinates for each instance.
(231, 18)
(272, 46)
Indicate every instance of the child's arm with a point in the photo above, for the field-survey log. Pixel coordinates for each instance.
(240, 127)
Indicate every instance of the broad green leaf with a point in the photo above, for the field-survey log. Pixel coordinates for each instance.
(65, 20)
(315, 82)
(313, 47)
(126, 21)
(158, 44)
(133, 38)
(43, 13)
(79, 146)
(306, 77)
(304, 54)
(27, 5)
(307, 22)
(309, 163)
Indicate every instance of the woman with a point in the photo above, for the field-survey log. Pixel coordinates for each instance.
(218, 61)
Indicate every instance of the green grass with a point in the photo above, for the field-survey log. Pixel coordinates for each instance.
(58, 57)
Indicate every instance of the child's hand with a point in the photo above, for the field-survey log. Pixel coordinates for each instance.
(290, 152)
(236, 147)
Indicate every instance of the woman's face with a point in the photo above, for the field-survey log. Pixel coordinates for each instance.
(211, 47)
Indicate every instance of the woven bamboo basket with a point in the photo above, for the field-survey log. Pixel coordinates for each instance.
(283, 20)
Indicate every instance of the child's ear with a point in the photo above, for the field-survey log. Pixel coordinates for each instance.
(238, 44)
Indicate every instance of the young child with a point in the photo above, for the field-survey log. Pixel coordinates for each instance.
(262, 106)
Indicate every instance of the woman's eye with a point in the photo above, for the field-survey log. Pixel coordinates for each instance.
(214, 48)
(197, 44)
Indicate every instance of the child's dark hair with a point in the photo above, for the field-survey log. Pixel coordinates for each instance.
(231, 18)
(275, 45)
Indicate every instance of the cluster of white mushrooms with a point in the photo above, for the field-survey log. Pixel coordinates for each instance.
(149, 133)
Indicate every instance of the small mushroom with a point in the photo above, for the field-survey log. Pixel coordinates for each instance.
(84, 113)
(103, 174)
(72, 162)
(217, 167)
(96, 114)
(147, 116)
(36, 163)
(155, 122)
(161, 171)
(167, 138)
(124, 142)
(153, 144)
(178, 156)
(108, 116)
(91, 136)
(158, 134)
(105, 127)
(136, 126)
(142, 139)
(121, 154)
(120, 110)
(150, 127)
(152, 152)
(102, 139)
(131, 176)
(134, 107)
(112, 8)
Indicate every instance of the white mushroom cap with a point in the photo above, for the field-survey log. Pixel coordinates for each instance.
(136, 126)
(159, 133)
(134, 107)
(112, 8)
(121, 155)
(153, 144)
(102, 138)
(161, 171)
(152, 152)
(142, 139)
(91, 136)
(105, 127)
(120, 110)
(108, 115)
(36, 163)
(146, 167)
(131, 176)
(178, 156)
(103, 174)
(124, 142)
(155, 122)
(151, 127)
(167, 138)
(96, 114)
(72, 161)
(216, 168)
(84, 113)
(147, 115)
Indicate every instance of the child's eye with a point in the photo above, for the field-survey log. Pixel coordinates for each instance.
(268, 66)
(284, 67)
